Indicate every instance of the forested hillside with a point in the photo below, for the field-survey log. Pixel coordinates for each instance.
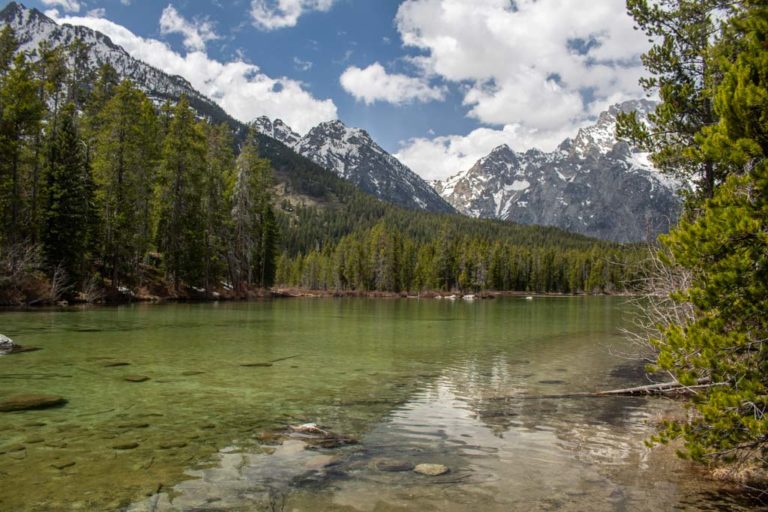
(107, 194)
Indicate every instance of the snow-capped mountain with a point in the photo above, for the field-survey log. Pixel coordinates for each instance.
(353, 155)
(356, 157)
(278, 130)
(33, 27)
(592, 184)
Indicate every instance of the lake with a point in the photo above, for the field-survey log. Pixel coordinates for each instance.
(468, 385)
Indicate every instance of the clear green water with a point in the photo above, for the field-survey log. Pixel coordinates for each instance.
(416, 381)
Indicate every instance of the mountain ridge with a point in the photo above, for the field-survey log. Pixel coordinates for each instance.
(590, 184)
(352, 154)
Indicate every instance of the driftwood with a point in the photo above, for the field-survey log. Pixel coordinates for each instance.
(668, 389)
(664, 389)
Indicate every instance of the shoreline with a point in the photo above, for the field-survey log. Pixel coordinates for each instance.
(291, 293)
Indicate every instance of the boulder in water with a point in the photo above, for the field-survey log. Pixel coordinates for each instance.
(126, 446)
(6, 345)
(30, 402)
(136, 378)
(431, 469)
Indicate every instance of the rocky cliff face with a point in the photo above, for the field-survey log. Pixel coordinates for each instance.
(278, 130)
(592, 184)
(353, 155)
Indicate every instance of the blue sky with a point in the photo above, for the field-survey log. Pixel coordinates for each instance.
(437, 82)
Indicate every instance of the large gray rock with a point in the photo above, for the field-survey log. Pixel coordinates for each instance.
(30, 402)
(6, 345)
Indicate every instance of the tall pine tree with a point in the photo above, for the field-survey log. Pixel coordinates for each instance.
(68, 202)
(179, 195)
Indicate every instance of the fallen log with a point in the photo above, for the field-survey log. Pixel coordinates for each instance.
(667, 389)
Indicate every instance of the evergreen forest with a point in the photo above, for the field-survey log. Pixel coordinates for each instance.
(108, 195)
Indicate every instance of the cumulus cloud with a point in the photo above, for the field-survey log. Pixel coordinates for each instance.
(196, 33)
(374, 84)
(531, 71)
(440, 157)
(302, 65)
(98, 12)
(238, 86)
(66, 5)
(275, 14)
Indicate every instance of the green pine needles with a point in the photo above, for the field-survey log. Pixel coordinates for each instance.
(723, 243)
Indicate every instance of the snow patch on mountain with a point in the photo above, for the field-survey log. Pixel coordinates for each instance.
(352, 154)
(592, 184)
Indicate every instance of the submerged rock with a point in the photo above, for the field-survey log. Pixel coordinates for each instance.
(63, 465)
(6, 345)
(317, 437)
(172, 444)
(125, 446)
(392, 465)
(136, 378)
(133, 425)
(30, 402)
(431, 469)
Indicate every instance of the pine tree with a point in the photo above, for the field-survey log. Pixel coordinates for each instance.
(725, 248)
(9, 44)
(684, 75)
(67, 200)
(252, 222)
(20, 115)
(180, 193)
(217, 184)
(124, 170)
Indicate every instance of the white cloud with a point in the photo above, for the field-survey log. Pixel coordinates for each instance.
(274, 14)
(440, 157)
(302, 65)
(98, 12)
(238, 86)
(66, 5)
(196, 33)
(533, 71)
(374, 84)
(125, 2)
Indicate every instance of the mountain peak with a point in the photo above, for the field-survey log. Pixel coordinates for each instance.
(10, 10)
(276, 129)
(502, 149)
(592, 184)
(600, 138)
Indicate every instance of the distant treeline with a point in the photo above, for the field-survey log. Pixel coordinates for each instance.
(385, 258)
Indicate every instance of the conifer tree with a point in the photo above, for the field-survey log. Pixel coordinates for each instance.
(8, 46)
(124, 170)
(252, 221)
(683, 74)
(726, 250)
(20, 115)
(68, 201)
(217, 184)
(180, 193)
